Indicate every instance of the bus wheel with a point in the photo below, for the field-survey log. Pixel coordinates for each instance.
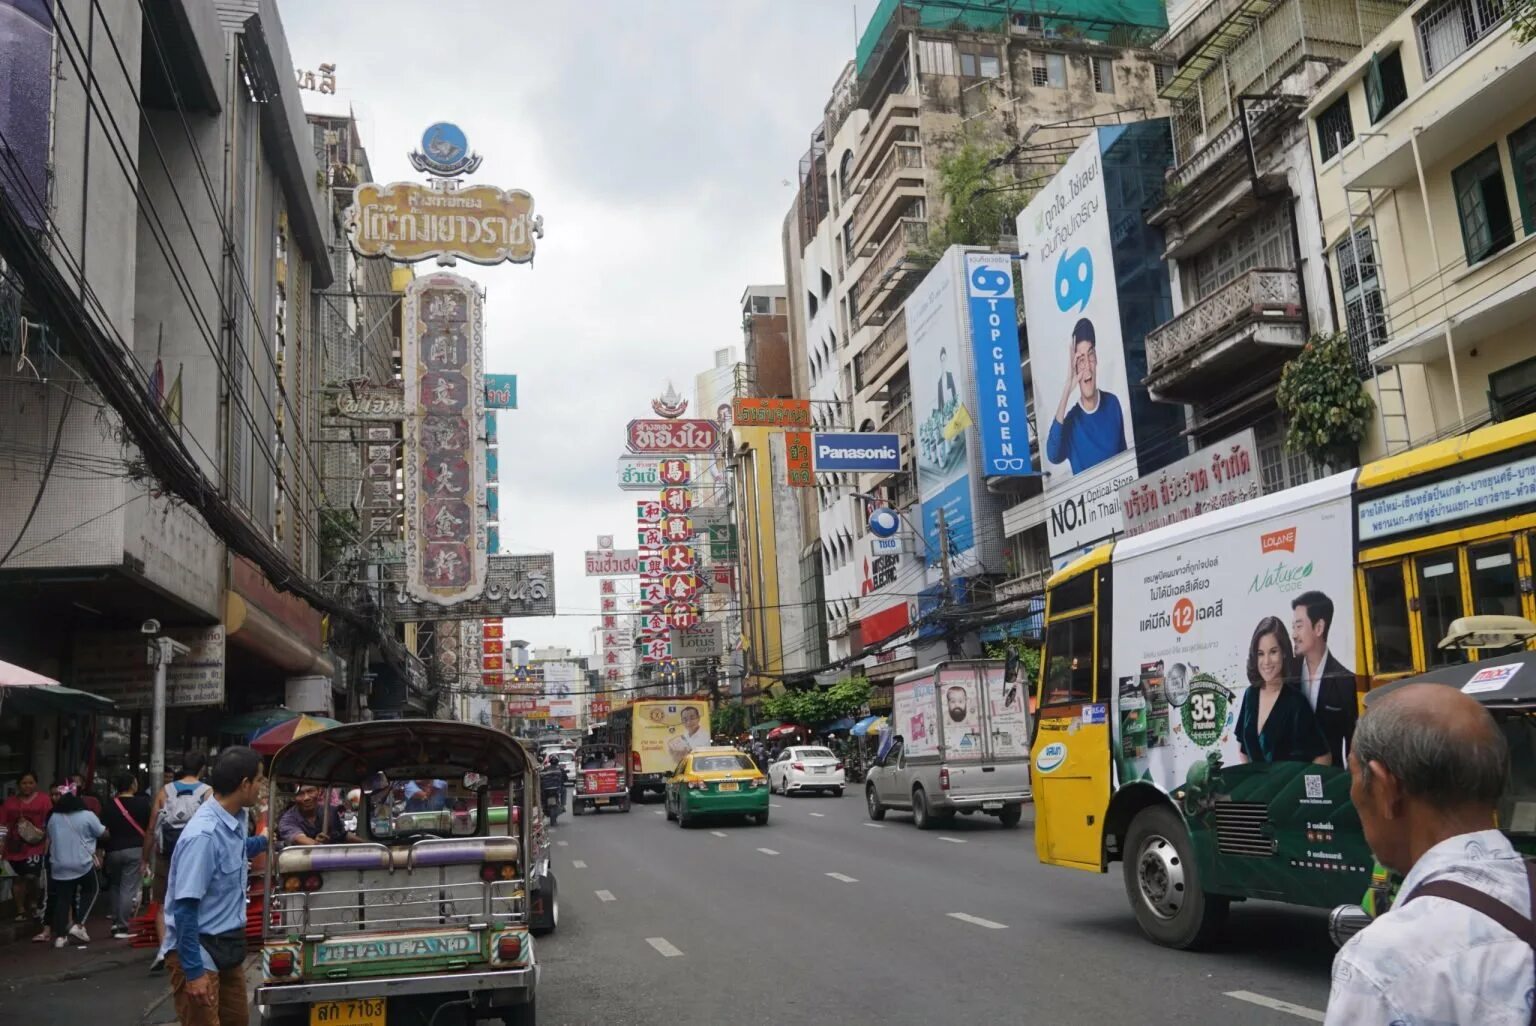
(1162, 882)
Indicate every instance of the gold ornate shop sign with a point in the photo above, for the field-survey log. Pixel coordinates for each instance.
(479, 223)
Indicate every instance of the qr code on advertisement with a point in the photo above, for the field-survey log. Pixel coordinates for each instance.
(1314, 785)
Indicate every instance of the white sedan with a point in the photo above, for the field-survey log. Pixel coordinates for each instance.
(806, 769)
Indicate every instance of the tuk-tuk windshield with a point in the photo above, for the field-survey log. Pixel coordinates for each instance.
(412, 808)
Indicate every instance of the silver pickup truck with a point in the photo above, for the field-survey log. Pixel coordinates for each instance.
(959, 743)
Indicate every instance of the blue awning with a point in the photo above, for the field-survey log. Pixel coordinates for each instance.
(836, 725)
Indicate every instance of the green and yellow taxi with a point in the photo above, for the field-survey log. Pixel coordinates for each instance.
(716, 782)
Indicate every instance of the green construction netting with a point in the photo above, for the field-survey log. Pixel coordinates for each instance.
(1092, 19)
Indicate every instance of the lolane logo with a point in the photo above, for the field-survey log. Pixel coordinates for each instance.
(1051, 757)
(1283, 540)
(1074, 280)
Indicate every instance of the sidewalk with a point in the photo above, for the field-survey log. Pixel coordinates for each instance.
(29, 963)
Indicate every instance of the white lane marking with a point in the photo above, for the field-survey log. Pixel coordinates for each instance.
(717, 833)
(604, 895)
(774, 805)
(564, 844)
(966, 917)
(767, 851)
(658, 812)
(664, 946)
(952, 840)
(819, 815)
(578, 864)
(877, 826)
(844, 879)
(1300, 1011)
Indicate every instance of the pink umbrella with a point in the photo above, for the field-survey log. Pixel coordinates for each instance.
(13, 676)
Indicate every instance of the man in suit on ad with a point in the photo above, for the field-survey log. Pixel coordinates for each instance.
(1327, 683)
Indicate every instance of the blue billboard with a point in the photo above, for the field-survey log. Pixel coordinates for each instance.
(501, 391)
(861, 451)
(959, 521)
(1002, 419)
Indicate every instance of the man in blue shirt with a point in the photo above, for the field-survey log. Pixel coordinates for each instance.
(1093, 430)
(204, 946)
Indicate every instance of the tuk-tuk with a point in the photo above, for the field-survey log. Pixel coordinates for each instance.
(421, 914)
(602, 782)
(1506, 686)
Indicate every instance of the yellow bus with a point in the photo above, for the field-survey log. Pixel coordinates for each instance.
(1200, 682)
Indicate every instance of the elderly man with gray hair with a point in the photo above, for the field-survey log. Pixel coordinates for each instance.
(1427, 766)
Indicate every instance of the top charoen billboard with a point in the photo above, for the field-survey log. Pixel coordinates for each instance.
(1077, 357)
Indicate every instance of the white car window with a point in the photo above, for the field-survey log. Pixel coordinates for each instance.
(815, 753)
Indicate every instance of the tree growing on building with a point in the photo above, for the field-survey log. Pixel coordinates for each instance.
(981, 203)
(1327, 409)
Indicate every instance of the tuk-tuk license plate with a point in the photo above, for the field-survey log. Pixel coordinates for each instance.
(600, 801)
(730, 787)
(991, 806)
(355, 1012)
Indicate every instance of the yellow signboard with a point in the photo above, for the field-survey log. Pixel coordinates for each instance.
(478, 223)
(665, 731)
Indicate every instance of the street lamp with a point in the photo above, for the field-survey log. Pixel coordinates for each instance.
(160, 651)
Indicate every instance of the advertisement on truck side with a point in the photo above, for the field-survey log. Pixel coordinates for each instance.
(1007, 718)
(664, 732)
(913, 717)
(961, 712)
(1241, 646)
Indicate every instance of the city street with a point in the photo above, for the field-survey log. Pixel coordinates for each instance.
(825, 916)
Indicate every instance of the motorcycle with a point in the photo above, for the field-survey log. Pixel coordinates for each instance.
(552, 790)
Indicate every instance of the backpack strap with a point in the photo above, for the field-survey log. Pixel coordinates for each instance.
(1517, 924)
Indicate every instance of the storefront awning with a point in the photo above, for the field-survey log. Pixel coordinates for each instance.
(32, 694)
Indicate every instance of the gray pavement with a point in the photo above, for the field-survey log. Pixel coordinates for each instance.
(841, 920)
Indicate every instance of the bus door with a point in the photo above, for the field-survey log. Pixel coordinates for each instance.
(1070, 767)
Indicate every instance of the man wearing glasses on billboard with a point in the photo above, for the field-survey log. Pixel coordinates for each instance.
(1093, 430)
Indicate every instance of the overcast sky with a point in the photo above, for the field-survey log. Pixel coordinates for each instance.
(657, 138)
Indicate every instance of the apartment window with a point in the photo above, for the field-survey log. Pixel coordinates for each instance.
(1522, 158)
(1103, 74)
(990, 66)
(1050, 70)
(1262, 240)
(1335, 130)
(1486, 227)
(935, 57)
(1160, 76)
(1512, 391)
(1385, 89)
(968, 65)
(1364, 309)
(1447, 30)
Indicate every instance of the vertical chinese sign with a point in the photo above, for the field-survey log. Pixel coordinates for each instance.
(445, 493)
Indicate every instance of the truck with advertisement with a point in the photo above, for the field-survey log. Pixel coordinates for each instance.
(656, 734)
(960, 745)
(1200, 683)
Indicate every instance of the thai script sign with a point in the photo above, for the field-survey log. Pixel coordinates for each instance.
(612, 562)
(750, 412)
(501, 391)
(112, 664)
(1476, 494)
(445, 490)
(372, 402)
(1217, 476)
(479, 223)
(673, 436)
(522, 585)
(639, 475)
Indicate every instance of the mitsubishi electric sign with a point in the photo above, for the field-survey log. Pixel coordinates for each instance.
(861, 451)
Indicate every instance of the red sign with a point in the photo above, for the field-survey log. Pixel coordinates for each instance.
(599, 710)
(676, 472)
(680, 587)
(797, 459)
(492, 630)
(879, 626)
(676, 528)
(1278, 541)
(599, 781)
(490, 662)
(521, 706)
(491, 647)
(669, 436)
(491, 680)
(678, 557)
(682, 615)
(676, 500)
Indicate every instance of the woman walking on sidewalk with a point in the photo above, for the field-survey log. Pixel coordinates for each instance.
(24, 816)
(126, 818)
(73, 831)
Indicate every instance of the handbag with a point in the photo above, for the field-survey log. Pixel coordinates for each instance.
(28, 831)
(226, 949)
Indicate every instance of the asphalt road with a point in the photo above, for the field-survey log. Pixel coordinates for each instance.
(823, 916)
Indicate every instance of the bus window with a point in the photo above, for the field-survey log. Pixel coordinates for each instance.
(1387, 609)
(1495, 584)
(1069, 662)
(1439, 604)
(1073, 594)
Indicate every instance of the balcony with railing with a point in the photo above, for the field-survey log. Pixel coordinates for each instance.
(882, 353)
(890, 188)
(888, 271)
(1245, 328)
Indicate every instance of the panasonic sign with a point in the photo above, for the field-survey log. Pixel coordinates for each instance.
(861, 451)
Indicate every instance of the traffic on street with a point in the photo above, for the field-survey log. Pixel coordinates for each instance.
(779, 511)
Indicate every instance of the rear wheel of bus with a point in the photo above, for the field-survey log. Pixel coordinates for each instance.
(1162, 881)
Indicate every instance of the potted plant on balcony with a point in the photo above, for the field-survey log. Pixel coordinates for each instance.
(1327, 409)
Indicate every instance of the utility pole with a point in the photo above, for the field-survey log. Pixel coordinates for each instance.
(161, 651)
(949, 638)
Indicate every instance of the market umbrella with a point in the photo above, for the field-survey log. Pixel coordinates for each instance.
(765, 726)
(785, 730)
(269, 741)
(868, 725)
(245, 725)
(32, 694)
(838, 726)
